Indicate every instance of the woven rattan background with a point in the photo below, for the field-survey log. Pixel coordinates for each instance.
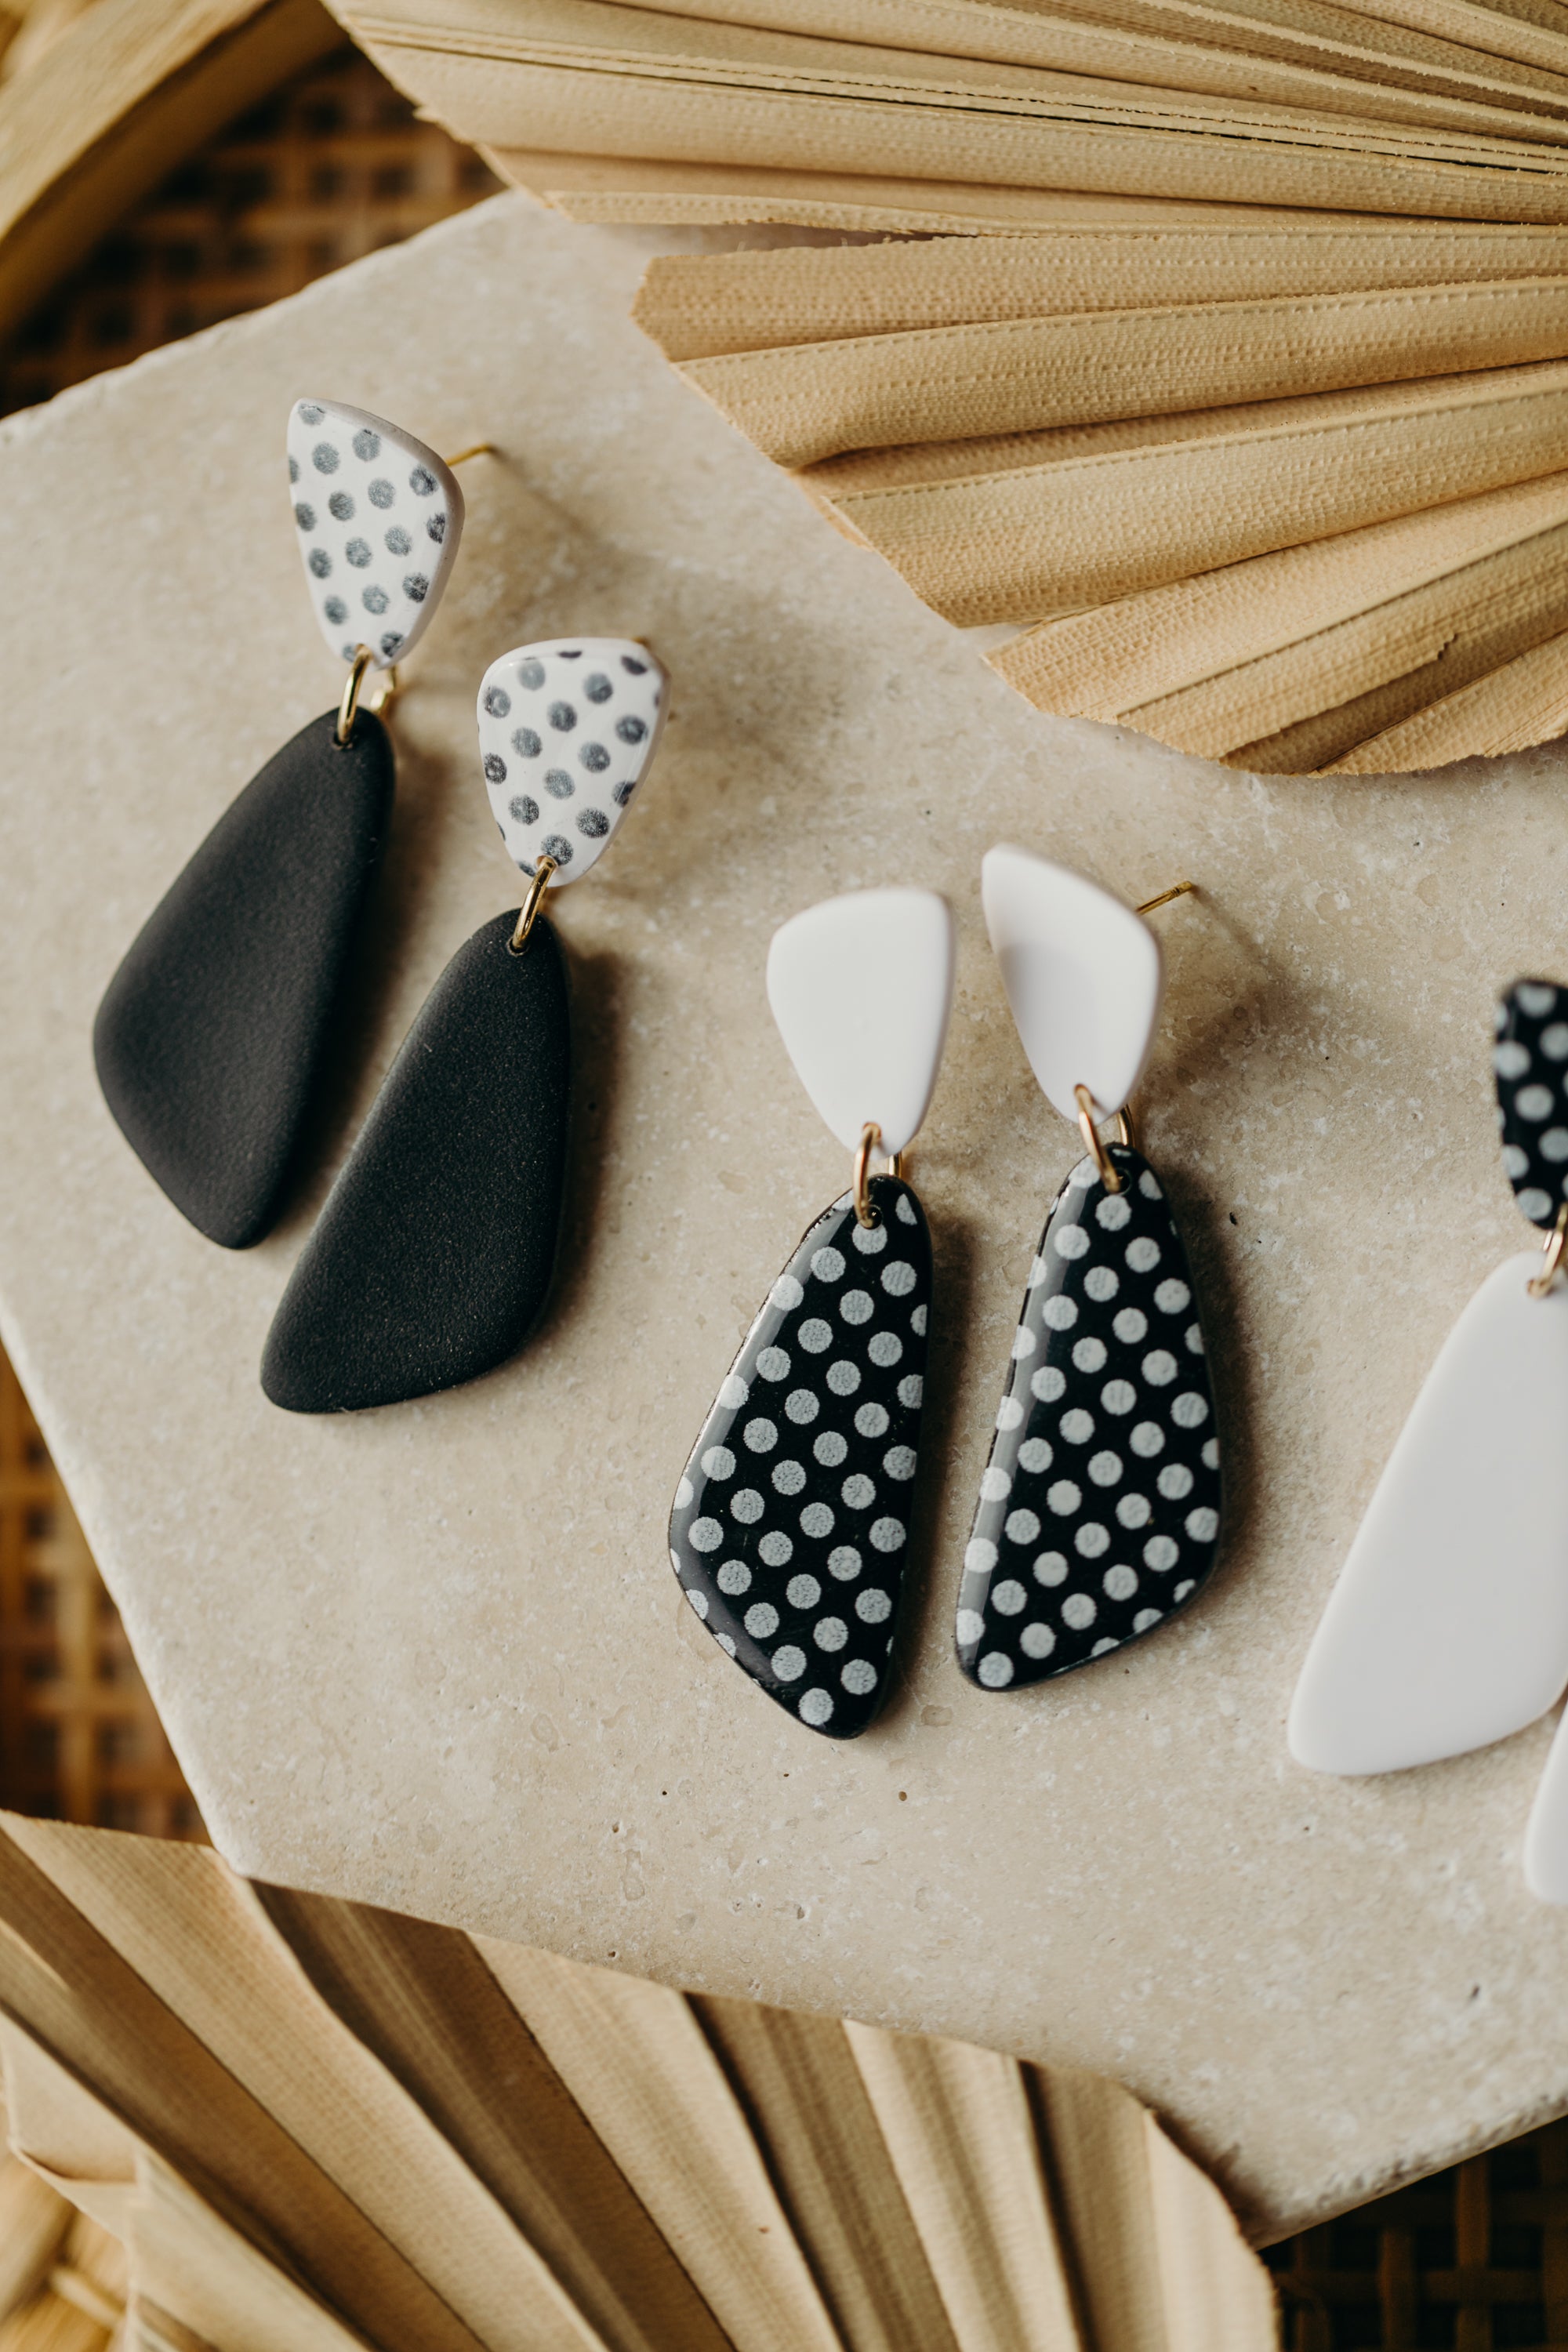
(334, 166)
(1475, 2258)
(328, 169)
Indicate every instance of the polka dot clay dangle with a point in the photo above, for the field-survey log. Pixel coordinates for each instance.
(211, 1038)
(1099, 1509)
(791, 1523)
(1448, 1626)
(433, 1257)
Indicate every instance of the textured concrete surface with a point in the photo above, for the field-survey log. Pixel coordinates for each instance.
(434, 1656)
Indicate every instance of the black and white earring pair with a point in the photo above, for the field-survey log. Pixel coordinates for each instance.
(1448, 1628)
(211, 1037)
(1100, 1505)
(1099, 1509)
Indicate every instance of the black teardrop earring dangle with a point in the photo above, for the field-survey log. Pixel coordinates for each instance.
(210, 1039)
(433, 1257)
(1099, 1513)
(791, 1523)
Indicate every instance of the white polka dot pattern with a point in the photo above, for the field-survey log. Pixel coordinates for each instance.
(791, 1522)
(1099, 1509)
(1531, 1062)
(566, 732)
(379, 517)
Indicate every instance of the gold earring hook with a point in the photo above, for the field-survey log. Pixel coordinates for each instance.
(474, 449)
(1555, 1243)
(1177, 891)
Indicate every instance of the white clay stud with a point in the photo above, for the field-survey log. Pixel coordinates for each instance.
(1546, 1837)
(1448, 1627)
(861, 988)
(567, 730)
(379, 517)
(1082, 976)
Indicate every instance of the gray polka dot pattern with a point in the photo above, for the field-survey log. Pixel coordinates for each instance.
(791, 1523)
(1531, 1062)
(1099, 1509)
(566, 732)
(378, 518)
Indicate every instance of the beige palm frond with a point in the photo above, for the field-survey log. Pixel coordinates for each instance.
(315, 2124)
(1217, 351)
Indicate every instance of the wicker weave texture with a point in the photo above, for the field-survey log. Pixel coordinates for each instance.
(78, 1738)
(1474, 2260)
(330, 168)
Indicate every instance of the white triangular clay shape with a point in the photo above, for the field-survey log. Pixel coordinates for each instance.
(378, 517)
(1082, 976)
(1546, 1837)
(861, 988)
(567, 730)
(1448, 1627)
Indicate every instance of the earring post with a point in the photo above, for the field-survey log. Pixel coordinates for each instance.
(1177, 891)
(474, 449)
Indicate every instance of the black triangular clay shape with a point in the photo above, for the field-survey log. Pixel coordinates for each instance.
(1531, 1062)
(432, 1259)
(1099, 1509)
(210, 1035)
(791, 1525)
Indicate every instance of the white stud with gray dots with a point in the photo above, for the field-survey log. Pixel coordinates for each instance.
(567, 729)
(378, 517)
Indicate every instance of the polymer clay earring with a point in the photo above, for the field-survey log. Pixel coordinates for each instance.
(210, 1037)
(791, 1523)
(1099, 1509)
(433, 1256)
(1448, 1626)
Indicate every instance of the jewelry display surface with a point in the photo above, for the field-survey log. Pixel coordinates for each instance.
(434, 1656)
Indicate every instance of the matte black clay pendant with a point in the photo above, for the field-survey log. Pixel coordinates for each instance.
(210, 1035)
(791, 1523)
(1100, 1511)
(1532, 1062)
(432, 1260)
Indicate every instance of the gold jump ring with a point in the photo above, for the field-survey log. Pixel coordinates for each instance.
(870, 1141)
(1109, 1175)
(1557, 1242)
(528, 912)
(348, 708)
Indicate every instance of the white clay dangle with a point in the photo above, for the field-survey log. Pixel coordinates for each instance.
(379, 517)
(1083, 975)
(1448, 1626)
(567, 731)
(861, 987)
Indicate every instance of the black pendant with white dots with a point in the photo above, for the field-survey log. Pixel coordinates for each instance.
(1532, 1062)
(791, 1523)
(1099, 1509)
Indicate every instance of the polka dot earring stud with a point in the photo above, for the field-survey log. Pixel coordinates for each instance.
(1448, 1626)
(432, 1259)
(210, 1038)
(791, 1522)
(1099, 1509)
